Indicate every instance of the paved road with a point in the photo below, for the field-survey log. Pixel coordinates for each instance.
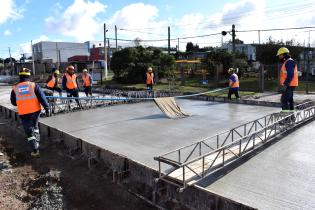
(280, 177)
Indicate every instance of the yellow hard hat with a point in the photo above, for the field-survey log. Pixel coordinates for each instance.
(230, 70)
(282, 50)
(85, 70)
(150, 69)
(56, 71)
(25, 72)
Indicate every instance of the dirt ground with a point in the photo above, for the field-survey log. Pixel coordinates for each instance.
(55, 180)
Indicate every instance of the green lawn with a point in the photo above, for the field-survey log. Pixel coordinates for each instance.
(249, 86)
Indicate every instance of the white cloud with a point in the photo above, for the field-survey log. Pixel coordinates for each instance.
(249, 15)
(26, 46)
(9, 11)
(141, 21)
(78, 20)
(7, 32)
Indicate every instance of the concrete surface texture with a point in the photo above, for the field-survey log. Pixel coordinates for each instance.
(275, 97)
(140, 131)
(280, 177)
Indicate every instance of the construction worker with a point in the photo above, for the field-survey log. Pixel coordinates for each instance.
(70, 84)
(87, 83)
(234, 84)
(53, 82)
(288, 79)
(28, 97)
(149, 79)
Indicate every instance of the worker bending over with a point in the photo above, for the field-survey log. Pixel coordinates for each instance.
(28, 97)
(53, 82)
(234, 84)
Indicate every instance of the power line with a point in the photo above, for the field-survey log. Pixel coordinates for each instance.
(278, 29)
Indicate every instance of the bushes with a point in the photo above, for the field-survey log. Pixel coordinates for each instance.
(130, 64)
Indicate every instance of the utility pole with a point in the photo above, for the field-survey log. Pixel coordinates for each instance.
(116, 38)
(233, 38)
(169, 40)
(33, 59)
(105, 53)
(11, 61)
(308, 62)
(57, 56)
(108, 52)
(258, 36)
(178, 44)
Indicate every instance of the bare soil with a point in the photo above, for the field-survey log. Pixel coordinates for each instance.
(56, 180)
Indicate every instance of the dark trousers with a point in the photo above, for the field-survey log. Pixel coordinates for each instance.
(58, 89)
(149, 87)
(233, 91)
(74, 93)
(30, 125)
(287, 101)
(88, 90)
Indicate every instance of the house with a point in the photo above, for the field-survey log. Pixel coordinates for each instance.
(248, 49)
(47, 51)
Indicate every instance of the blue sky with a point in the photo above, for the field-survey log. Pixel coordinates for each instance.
(82, 20)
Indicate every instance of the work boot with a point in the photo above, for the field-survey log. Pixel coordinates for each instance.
(35, 154)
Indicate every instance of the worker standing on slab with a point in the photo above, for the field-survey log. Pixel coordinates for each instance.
(70, 84)
(288, 79)
(234, 84)
(53, 82)
(149, 80)
(28, 97)
(87, 83)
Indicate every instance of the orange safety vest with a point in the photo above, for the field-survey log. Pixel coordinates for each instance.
(71, 81)
(26, 99)
(86, 80)
(235, 84)
(283, 75)
(52, 82)
(149, 78)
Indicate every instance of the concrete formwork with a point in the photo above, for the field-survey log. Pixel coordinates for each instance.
(136, 176)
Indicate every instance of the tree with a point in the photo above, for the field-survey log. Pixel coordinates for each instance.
(226, 59)
(190, 47)
(266, 53)
(130, 64)
(137, 42)
(8, 60)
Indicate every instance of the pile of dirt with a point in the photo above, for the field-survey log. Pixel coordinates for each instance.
(47, 192)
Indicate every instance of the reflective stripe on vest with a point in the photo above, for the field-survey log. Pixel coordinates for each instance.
(52, 82)
(150, 78)
(86, 80)
(71, 81)
(26, 99)
(283, 75)
(235, 84)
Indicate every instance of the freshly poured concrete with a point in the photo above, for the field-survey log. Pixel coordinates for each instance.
(140, 131)
(280, 177)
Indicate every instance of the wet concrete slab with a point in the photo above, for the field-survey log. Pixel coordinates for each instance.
(140, 131)
(280, 177)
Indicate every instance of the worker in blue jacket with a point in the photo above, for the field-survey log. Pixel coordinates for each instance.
(29, 97)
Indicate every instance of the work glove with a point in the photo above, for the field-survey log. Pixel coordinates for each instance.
(47, 113)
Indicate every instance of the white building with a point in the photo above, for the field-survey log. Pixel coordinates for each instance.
(58, 51)
(248, 49)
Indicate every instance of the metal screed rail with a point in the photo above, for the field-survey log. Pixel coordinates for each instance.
(190, 164)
